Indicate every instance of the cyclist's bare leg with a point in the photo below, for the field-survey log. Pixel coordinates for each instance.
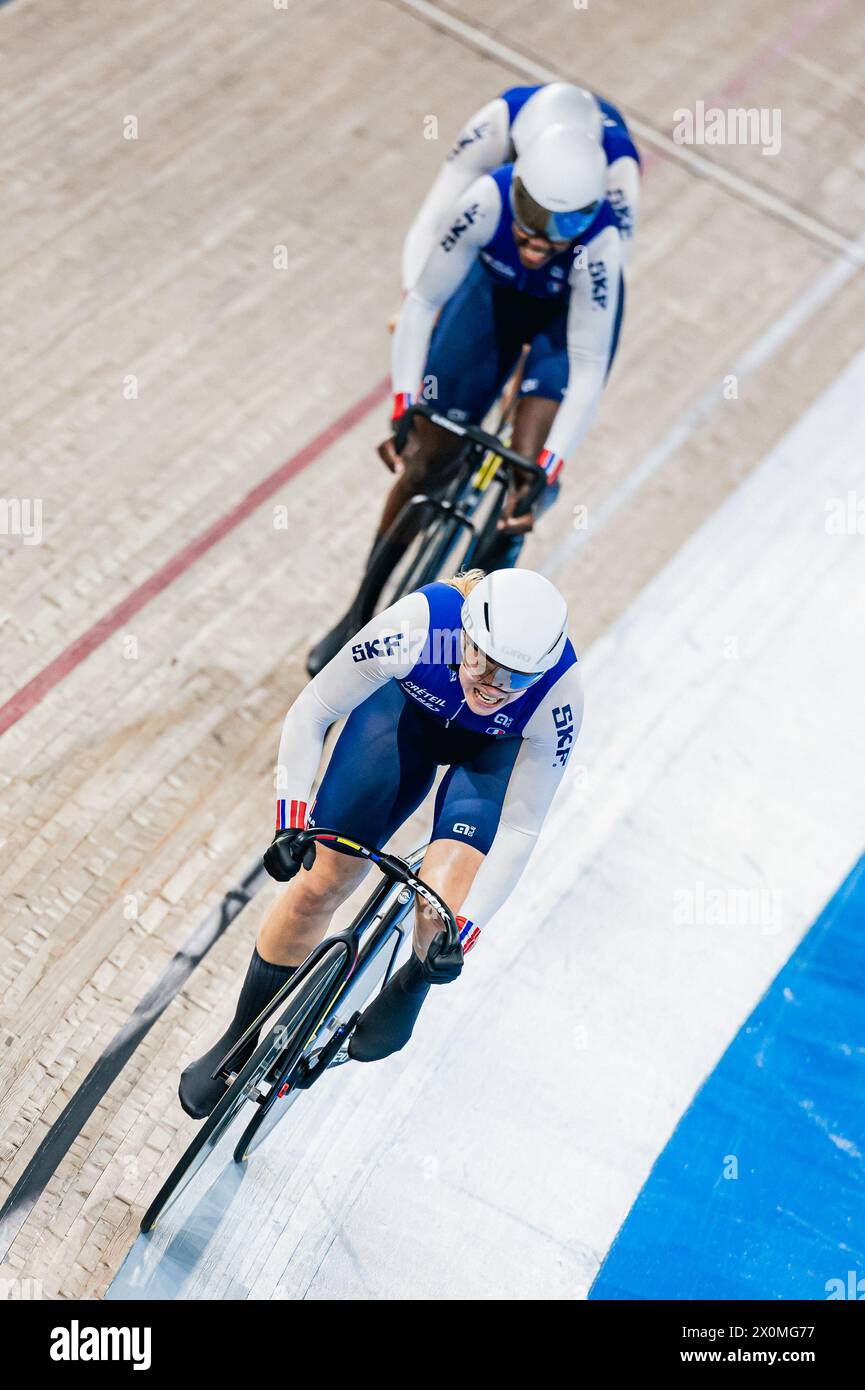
(428, 452)
(533, 420)
(300, 917)
(510, 395)
(449, 867)
(386, 1024)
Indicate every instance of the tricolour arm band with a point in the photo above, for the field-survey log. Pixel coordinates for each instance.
(469, 933)
(290, 815)
(551, 463)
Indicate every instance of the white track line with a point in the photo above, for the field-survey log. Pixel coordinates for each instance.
(703, 168)
(803, 308)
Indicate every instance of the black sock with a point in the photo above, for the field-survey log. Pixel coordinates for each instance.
(388, 1022)
(411, 976)
(198, 1091)
(263, 981)
(382, 545)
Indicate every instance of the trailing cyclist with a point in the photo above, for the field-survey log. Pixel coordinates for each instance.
(476, 675)
(499, 132)
(531, 253)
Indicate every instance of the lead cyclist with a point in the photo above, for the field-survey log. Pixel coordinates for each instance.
(476, 675)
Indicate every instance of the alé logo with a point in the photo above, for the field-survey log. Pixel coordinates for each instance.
(854, 1288)
(501, 724)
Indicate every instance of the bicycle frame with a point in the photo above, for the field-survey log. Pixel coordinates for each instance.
(351, 940)
(485, 461)
(276, 1062)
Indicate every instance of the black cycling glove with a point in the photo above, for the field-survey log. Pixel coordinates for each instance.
(441, 965)
(284, 857)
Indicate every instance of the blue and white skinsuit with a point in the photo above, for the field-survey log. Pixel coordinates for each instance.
(470, 304)
(397, 681)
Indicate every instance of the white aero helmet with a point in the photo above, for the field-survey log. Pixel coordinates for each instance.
(558, 184)
(557, 103)
(517, 620)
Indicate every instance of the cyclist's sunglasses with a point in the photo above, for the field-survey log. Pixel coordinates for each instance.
(536, 221)
(487, 672)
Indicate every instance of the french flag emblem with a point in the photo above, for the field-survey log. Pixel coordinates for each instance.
(469, 933)
(551, 464)
(290, 815)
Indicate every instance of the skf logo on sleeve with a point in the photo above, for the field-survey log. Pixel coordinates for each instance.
(387, 645)
(621, 209)
(476, 133)
(598, 273)
(462, 224)
(563, 718)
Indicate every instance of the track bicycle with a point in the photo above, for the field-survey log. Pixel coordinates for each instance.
(452, 530)
(310, 1020)
(440, 531)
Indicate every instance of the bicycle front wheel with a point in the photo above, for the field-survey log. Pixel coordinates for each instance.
(248, 1088)
(298, 1027)
(196, 1155)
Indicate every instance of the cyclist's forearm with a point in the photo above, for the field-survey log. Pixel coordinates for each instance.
(498, 876)
(300, 745)
(411, 345)
(577, 411)
(591, 323)
(481, 146)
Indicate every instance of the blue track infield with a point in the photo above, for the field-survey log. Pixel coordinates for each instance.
(786, 1105)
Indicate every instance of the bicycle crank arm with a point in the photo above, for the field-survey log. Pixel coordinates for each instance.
(311, 1068)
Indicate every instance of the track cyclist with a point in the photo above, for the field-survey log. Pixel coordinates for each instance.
(503, 254)
(477, 675)
(499, 132)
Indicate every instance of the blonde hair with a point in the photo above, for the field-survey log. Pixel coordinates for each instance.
(466, 580)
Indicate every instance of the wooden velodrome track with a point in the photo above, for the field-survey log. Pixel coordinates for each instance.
(159, 366)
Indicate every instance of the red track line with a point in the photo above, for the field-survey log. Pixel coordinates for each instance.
(36, 689)
(771, 53)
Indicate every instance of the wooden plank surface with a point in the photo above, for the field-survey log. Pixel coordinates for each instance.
(139, 789)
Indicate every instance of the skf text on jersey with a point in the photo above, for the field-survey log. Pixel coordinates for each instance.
(563, 718)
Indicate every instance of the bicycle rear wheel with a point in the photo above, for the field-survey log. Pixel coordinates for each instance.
(299, 1025)
(336, 1011)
